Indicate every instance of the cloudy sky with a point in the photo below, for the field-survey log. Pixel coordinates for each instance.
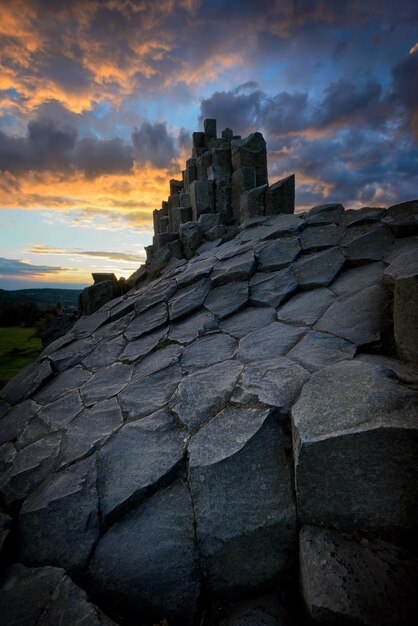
(98, 100)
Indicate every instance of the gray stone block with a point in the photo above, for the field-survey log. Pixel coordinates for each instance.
(154, 549)
(355, 444)
(202, 198)
(66, 505)
(403, 218)
(243, 179)
(280, 197)
(190, 238)
(251, 152)
(202, 164)
(209, 126)
(252, 202)
(240, 512)
(347, 580)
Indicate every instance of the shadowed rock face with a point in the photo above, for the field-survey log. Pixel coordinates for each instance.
(165, 456)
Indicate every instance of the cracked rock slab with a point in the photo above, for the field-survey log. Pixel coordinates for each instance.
(361, 317)
(158, 293)
(355, 444)
(106, 383)
(16, 419)
(358, 278)
(73, 354)
(366, 243)
(154, 549)
(62, 383)
(227, 299)
(30, 467)
(239, 267)
(205, 392)
(317, 350)
(45, 596)
(280, 225)
(325, 214)
(208, 350)
(148, 321)
(269, 342)
(105, 354)
(362, 581)
(318, 269)
(188, 299)
(273, 255)
(196, 270)
(276, 382)
(158, 360)
(248, 320)
(59, 413)
(58, 523)
(240, 511)
(320, 237)
(146, 395)
(271, 289)
(141, 347)
(136, 460)
(26, 382)
(191, 328)
(307, 307)
(89, 429)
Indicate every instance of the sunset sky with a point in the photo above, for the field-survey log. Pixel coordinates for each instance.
(98, 100)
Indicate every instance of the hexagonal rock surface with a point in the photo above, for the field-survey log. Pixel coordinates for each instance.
(361, 317)
(205, 392)
(239, 267)
(45, 596)
(271, 289)
(306, 308)
(318, 269)
(247, 320)
(317, 350)
(347, 580)
(355, 444)
(366, 243)
(318, 237)
(269, 342)
(188, 299)
(240, 511)
(126, 478)
(106, 383)
(153, 548)
(147, 394)
(227, 299)
(64, 506)
(273, 255)
(358, 278)
(208, 350)
(86, 432)
(276, 382)
(153, 446)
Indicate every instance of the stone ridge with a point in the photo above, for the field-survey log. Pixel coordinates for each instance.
(238, 427)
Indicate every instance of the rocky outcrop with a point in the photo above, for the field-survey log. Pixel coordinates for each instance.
(234, 439)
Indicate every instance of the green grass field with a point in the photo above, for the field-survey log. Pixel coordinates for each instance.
(18, 347)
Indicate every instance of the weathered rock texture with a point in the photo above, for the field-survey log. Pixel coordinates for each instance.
(167, 451)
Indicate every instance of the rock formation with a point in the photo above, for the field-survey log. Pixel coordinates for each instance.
(233, 441)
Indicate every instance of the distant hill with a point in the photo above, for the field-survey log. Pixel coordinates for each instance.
(44, 298)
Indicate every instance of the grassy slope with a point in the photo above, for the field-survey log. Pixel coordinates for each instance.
(18, 347)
